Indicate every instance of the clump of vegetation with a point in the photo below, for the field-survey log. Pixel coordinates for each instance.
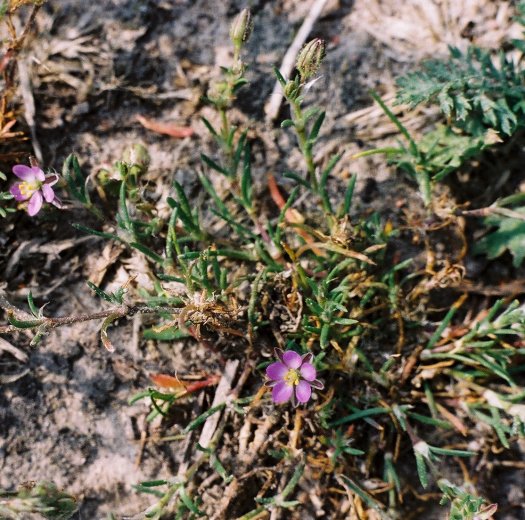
(386, 369)
(42, 498)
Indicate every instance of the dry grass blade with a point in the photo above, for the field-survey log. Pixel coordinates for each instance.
(221, 395)
(415, 29)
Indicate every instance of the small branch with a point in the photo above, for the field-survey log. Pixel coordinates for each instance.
(120, 312)
(492, 210)
(29, 24)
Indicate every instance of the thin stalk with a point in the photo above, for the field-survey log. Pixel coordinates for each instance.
(306, 149)
(120, 312)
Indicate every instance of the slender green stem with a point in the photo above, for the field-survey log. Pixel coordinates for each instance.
(225, 140)
(304, 145)
(425, 187)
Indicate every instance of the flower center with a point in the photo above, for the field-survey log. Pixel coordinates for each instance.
(292, 377)
(28, 188)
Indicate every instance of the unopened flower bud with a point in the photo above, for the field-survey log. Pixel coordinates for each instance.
(291, 90)
(241, 27)
(310, 58)
(137, 156)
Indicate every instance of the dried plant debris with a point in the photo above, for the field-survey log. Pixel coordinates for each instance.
(418, 29)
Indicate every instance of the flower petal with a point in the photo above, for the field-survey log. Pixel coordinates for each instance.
(307, 358)
(38, 173)
(291, 359)
(308, 371)
(35, 204)
(279, 353)
(48, 192)
(16, 193)
(303, 391)
(277, 371)
(282, 392)
(51, 179)
(57, 202)
(24, 172)
(317, 384)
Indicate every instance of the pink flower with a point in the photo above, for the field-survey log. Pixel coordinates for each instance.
(292, 377)
(35, 186)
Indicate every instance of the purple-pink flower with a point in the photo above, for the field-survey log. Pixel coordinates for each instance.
(292, 377)
(35, 186)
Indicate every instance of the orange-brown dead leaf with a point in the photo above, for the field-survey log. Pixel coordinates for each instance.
(452, 419)
(167, 381)
(175, 384)
(166, 128)
(292, 215)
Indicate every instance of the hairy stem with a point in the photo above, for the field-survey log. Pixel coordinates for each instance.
(306, 149)
(120, 312)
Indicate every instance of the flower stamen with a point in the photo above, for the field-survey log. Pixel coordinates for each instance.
(28, 188)
(292, 377)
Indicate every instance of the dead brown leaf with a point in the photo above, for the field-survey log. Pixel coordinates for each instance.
(167, 128)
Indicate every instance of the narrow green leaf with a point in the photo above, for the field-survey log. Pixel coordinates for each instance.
(213, 165)
(188, 502)
(148, 252)
(209, 126)
(154, 483)
(280, 77)
(316, 127)
(361, 493)
(23, 324)
(91, 231)
(421, 469)
(297, 178)
(170, 334)
(451, 453)
(34, 309)
(412, 144)
(202, 418)
(349, 194)
(442, 326)
(361, 414)
(104, 332)
(99, 292)
(246, 179)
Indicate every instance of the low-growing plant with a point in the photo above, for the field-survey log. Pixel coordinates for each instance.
(42, 498)
(374, 370)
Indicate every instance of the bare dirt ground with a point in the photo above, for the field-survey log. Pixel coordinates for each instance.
(95, 67)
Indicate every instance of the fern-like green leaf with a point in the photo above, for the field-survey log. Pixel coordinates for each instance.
(476, 90)
(509, 235)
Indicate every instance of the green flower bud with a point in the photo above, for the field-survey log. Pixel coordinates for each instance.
(137, 156)
(219, 94)
(241, 27)
(310, 58)
(292, 89)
